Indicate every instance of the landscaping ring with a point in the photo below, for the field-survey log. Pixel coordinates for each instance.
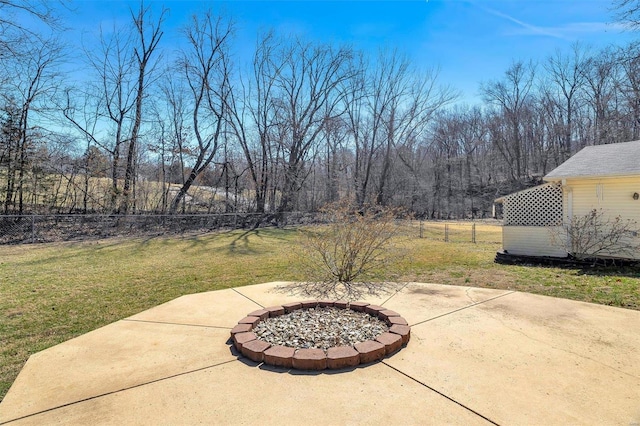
(320, 334)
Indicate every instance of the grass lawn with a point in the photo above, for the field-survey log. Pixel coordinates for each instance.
(50, 293)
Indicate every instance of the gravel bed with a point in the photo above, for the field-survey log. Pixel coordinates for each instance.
(320, 328)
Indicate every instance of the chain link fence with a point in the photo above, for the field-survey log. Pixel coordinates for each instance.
(19, 229)
(486, 231)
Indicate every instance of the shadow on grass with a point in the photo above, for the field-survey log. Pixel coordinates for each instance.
(245, 242)
(65, 251)
(241, 240)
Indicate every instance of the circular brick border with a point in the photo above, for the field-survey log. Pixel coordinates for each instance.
(248, 344)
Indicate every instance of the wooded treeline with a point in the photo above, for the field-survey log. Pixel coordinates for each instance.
(143, 128)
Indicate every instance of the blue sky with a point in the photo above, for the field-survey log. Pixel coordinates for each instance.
(471, 41)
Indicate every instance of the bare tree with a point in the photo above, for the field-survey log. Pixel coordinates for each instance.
(334, 138)
(82, 111)
(115, 97)
(627, 12)
(361, 128)
(459, 142)
(601, 77)
(388, 107)
(389, 90)
(110, 112)
(13, 14)
(629, 87)
(35, 80)
(567, 72)
(252, 117)
(10, 136)
(511, 95)
(148, 36)
(306, 96)
(206, 70)
(414, 99)
(172, 118)
(29, 55)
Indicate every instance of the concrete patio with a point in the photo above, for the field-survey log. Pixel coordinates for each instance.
(476, 356)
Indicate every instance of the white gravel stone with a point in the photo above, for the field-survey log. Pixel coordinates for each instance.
(320, 328)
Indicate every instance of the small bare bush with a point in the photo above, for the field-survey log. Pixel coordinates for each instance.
(340, 257)
(596, 234)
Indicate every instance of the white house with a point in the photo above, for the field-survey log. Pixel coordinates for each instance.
(601, 177)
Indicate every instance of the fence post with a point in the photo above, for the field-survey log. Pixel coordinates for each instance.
(446, 232)
(33, 228)
(473, 233)
(421, 226)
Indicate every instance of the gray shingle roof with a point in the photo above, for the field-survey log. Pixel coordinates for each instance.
(616, 159)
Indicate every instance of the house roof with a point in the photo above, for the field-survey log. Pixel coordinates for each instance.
(616, 159)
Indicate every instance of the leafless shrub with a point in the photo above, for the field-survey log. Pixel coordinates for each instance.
(353, 245)
(596, 234)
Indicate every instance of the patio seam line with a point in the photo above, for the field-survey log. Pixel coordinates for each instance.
(395, 294)
(116, 391)
(177, 323)
(463, 308)
(247, 297)
(441, 394)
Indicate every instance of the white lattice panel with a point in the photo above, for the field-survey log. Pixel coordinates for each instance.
(538, 206)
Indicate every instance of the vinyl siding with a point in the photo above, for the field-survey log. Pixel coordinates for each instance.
(614, 196)
(532, 241)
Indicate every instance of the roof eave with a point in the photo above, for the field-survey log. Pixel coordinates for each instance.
(561, 178)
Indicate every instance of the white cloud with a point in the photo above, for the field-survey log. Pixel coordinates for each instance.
(566, 31)
(526, 28)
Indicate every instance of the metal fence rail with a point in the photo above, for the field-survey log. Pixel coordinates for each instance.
(20, 229)
(461, 232)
